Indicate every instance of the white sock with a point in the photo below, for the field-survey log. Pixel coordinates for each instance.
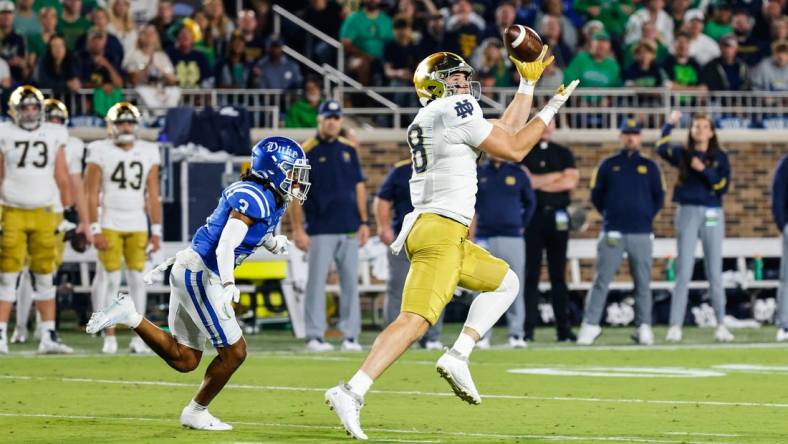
(137, 290)
(46, 327)
(197, 408)
(488, 307)
(3, 329)
(464, 345)
(112, 286)
(135, 320)
(360, 383)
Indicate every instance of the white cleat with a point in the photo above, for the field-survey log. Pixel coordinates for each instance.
(674, 334)
(202, 421)
(138, 346)
(3, 347)
(350, 345)
(51, 345)
(110, 345)
(433, 345)
(588, 334)
(483, 343)
(121, 311)
(454, 369)
(318, 346)
(19, 336)
(347, 406)
(517, 342)
(722, 334)
(782, 335)
(644, 335)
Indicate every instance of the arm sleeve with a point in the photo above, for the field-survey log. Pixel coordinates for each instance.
(529, 200)
(248, 200)
(232, 235)
(779, 191)
(598, 188)
(671, 154)
(357, 171)
(386, 191)
(718, 176)
(465, 122)
(74, 150)
(93, 154)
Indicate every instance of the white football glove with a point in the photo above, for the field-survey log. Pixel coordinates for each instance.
(276, 244)
(556, 102)
(65, 226)
(230, 294)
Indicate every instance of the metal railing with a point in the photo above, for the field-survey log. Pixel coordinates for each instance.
(280, 13)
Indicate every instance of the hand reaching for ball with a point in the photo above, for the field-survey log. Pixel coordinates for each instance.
(532, 71)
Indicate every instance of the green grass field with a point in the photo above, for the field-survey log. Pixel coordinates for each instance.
(698, 392)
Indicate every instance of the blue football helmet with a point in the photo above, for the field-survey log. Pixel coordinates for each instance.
(282, 162)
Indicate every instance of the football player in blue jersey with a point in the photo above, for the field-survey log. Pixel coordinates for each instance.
(202, 283)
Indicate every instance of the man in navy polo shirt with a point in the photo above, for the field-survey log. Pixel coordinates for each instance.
(628, 190)
(391, 205)
(505, 203)
(336, 226)
(780, 212)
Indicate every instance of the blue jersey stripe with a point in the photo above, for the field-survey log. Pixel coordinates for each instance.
(211, 311)
(189, 289)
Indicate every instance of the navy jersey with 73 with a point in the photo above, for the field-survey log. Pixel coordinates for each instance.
(254, 201)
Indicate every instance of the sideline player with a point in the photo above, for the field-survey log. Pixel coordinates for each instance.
(55, 112)
(446, 139)
(202, 283)
(33, 172)
(122, 177)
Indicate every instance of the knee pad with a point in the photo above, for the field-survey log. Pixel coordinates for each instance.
(43, 287)
(8, 286)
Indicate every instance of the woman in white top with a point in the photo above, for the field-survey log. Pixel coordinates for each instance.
(121, 25)
(146, 63)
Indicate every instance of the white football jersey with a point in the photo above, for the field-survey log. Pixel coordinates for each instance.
(29, 164)
(124, 175)
(75, 155)
(444, 139)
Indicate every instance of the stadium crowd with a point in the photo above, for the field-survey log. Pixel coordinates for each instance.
(107, 45)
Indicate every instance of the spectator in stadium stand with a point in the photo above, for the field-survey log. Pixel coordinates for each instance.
(325, 15)
(650, 36)
(37, 43)
(254, 40)
(553, 175)
(683, 71)
(555, 9)
(337, 225)
(203, 40)
(779, 29)
(550, 31)
(644, 73)
(727, 72)
(552, 78)
(95, 68)
(491, 57)
(720, 23)
(121, 24)
(780, 212)
(487, 79)
(72, 23)
(628, 191)
(400, 57)
(505, 15)
(163, 20)
(701, 47)
(464, 29)
(220, 27)
(587, 32)
(12, 48)
(191, 67)
(232, 70)
(147, 64)
(363, 35)
(391, 205)
(772, 73)
(595, 68)
(26, 21)
(704, 178)
(750, 49)
(113, 51)
(611, 14)
(677, 9)
(653, 10)
(505, 203)
(433, 37)
(303, 112)
(773, 12)
(277, 71)
(57, 69)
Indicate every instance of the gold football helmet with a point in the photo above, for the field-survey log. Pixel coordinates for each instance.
(21, 97)
(119, 113)
(55, 109)
(431, 74)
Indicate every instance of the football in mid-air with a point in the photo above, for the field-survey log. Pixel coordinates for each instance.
(522, 42)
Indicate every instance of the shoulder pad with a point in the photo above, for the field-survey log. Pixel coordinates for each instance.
(309, 144)
(248, 199)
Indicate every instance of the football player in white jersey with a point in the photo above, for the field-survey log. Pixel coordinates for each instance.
(122, 177)
(446, 138)
(33, 175)
(55, 112)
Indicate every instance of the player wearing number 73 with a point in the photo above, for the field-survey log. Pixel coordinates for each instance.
(446, 138)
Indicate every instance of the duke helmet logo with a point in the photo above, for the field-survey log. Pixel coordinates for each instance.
(284, 150)
(464, 108)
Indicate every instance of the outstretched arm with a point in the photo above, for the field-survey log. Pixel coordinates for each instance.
(516, 114)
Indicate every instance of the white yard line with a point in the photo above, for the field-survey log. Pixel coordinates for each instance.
(372, 429)
(719, 435)
(416, 393)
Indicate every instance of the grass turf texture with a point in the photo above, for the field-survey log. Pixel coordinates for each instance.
(277, 395)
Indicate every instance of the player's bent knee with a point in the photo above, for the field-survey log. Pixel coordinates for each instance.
(414, 323)
(188, 361)
(8, 287)
(510, 284)
(235, 354)
(43, 287)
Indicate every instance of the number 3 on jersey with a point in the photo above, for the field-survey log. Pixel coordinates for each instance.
(417, 149)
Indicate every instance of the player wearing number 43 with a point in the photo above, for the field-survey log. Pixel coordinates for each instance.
(201, 279)
(445, 140)
(122, 178)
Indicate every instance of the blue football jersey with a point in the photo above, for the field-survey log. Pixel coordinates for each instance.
(250, 199)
